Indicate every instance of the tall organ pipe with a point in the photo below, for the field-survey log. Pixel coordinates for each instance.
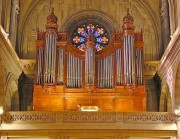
(89, 59)
(90, 65)
(139, 66)
(60, 66)
(50, 58)
(105, 72)
(39, 79)
(129, 60)
(119, 66)
(129, 56)
(74, 71)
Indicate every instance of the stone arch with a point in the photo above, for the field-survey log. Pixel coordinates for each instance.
(37, 7)
(2, 83)
(11, 97)
(177, 89)
(95, 16)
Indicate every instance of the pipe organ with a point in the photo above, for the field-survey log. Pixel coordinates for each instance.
(93, 72)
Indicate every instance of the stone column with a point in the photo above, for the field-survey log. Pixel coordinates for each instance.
(165, 24)
(14, 15)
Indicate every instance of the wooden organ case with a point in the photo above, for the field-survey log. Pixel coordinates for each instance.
(93, 77)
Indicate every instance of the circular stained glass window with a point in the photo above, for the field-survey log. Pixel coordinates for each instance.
(98, 31)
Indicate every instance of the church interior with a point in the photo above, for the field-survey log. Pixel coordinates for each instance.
(89, 69)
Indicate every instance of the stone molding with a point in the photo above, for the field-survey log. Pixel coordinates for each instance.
(81, 117)
(150, 68)
(8, 56)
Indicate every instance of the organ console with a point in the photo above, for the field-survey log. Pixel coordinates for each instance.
(93, 72)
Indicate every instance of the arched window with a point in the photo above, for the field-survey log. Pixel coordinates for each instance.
(100, 33)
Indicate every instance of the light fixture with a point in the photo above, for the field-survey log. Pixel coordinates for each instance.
(89, 108)
(177, 112)
(1, 110)
(1, 113)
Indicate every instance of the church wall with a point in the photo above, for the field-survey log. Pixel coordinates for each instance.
(145, 16)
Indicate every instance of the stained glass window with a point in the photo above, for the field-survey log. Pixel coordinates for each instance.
(99, 32)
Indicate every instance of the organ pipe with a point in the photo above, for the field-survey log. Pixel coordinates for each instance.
(90, 59)
(74, 71)
(50, 59)
(60, 66)
(105, 72)
(119, 67)
(139, 66)
(39, 79)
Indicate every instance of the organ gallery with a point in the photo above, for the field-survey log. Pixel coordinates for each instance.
(90, 69)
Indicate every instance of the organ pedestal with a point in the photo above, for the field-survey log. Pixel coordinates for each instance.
(95, 75)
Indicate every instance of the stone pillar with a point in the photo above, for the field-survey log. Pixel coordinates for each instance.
(13, 22)
(165, 25)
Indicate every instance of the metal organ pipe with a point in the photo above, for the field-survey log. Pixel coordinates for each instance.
(74, 71)
(105, 72)
(119, 66)
(50, 58)
(39, 80)
(90, 65)
(60, 66)
(125, 62)
(129, 60)
(68, 70)
(71, 75)
(133, 60)
(139, 66)
(108, 73)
